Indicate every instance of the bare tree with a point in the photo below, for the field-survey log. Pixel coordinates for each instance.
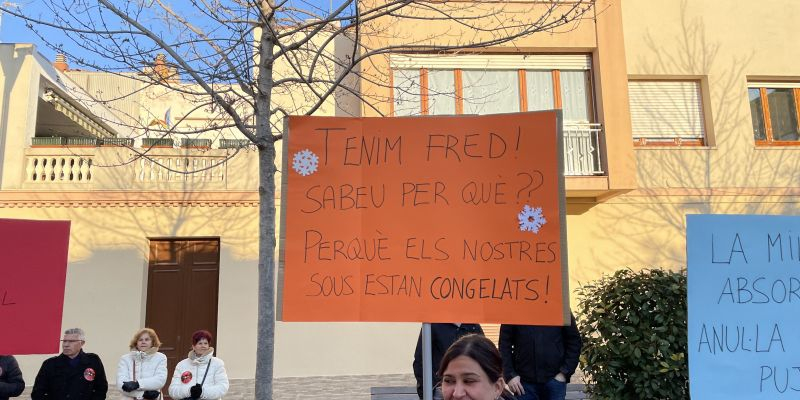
(249, 63)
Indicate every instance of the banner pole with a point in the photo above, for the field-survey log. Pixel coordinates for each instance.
(427, 363)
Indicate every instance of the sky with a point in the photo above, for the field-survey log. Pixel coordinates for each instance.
(13, 30)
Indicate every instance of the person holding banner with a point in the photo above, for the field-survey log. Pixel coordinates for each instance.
(472, 369)
(142, 373)
(11, 383)
(201, 375)
(539, 360)
(442, 337)
(73, 375)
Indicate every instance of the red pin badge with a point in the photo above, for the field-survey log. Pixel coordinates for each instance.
(89, 374)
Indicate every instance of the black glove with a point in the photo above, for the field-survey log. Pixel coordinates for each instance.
(150, 394)
(196, 391)
(130, 386)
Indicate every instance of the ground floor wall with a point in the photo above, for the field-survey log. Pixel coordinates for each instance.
(647, 227)
(108, 261)
(106, 289)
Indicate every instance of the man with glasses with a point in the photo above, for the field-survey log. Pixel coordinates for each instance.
(73, 374)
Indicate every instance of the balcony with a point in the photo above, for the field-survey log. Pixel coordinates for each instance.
(587, 180)
(120, 168)
(582, 149)
(53, 165)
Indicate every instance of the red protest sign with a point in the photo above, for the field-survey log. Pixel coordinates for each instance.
(32, 276)
(432, 219)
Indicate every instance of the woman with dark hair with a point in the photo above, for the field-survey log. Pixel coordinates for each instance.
(142, 373)
(472, 369)
(201, 375)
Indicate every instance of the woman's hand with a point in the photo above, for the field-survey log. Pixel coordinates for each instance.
(130, 386)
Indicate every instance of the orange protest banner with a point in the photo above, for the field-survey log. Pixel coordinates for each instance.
(430, 219)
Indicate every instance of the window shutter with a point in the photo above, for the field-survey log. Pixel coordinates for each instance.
(492, 331)
(666, 109)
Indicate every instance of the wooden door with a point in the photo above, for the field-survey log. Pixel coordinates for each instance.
(182, 289)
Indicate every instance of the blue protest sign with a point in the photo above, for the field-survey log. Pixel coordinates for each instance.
(744, 306)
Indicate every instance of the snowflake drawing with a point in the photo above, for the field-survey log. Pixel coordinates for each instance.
(531, 219)
(305, 162)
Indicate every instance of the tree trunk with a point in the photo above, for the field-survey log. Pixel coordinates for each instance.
(266, 273)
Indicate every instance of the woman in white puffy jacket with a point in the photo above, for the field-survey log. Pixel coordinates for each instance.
(201, 375)
(142, 373)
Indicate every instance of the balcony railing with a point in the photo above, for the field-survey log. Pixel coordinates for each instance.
(582, 149)
(59, 168)
(78, 169)
(234, 143)
(108, 167)
(124, 168)
(181, 169)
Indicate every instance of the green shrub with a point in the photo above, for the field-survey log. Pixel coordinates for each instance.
(633, 326)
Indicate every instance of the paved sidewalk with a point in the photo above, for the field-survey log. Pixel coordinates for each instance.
(351, 387)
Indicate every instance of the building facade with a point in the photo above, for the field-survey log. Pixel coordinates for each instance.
(670, 108)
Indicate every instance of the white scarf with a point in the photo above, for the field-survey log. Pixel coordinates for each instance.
(200, 360)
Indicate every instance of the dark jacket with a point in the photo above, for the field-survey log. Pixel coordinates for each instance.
(60, 381)
(11, 383)
(442, 336)
(538, 353)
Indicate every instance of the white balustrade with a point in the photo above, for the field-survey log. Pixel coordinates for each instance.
(58, 168)
(55, 169)
(582, 149)
(181, 169)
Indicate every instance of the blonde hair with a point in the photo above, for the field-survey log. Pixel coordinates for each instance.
(149, 331)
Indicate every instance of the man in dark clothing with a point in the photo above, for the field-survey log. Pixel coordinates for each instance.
(539, 360)
(73, 374)
(442, 336)
(11, 383)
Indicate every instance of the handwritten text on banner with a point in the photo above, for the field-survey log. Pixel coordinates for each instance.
(430, 219)
(744, 302)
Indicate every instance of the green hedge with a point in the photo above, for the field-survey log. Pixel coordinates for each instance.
(633, 326)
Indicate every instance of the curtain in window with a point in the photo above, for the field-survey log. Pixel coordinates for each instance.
(539, 90)
(441, 92)
(782, 114)
(574, 96)
(490, 92)
(407, 100)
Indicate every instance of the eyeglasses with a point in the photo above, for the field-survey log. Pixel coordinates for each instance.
(70, 341)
